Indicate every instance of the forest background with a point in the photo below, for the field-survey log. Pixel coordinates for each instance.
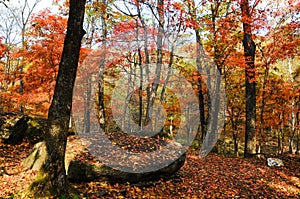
(32, 43)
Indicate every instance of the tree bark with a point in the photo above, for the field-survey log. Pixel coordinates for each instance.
(52, 180)
(249, 55)
(201, 95)
(159, 59)
(101, 98)
(87, 105)
(200, 54)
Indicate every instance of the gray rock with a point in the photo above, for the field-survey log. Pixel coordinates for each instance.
(274, 162)
(36, 158)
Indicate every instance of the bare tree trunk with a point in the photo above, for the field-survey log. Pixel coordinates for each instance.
(141, 122)
(262, 109)
(234, 133)
(281, 133)
(101, 105)
(159, 58)
(52, 180)
(216, 99)
(293, 115)
(87, 105)
(201, 65)
(147, 69)
(297, 130)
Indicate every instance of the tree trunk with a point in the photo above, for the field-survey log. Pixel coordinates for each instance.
(249, 54)
(147, 67)
(200, 55)
(52, 180)
(159, 58)
(262, 109)
(87, 105)
(200, 61)
(101, 99)
(297, 130)
(234, 133)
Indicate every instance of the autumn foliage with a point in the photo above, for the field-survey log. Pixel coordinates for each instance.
(2, 48)
(41, 59)
(275, 33)
(220, 26)
(136, 39)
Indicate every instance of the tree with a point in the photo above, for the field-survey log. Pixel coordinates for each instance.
(2, 48)
(21, 16)
(194, 15)
(15, 19)
(41, 60)
(3, 1)
(51, 179)
(249, 54)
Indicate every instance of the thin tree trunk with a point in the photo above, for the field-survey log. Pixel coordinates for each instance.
(293, 130)
(262, 109)
(159, 58)
(297, 130)
(88, 81)
(147, 69)
(199, 57)
(282, 133)
(234, 133)
(101, 98)
(202, 129)
(52, 180)
(87, 105)
(141, 122)
(215, 102)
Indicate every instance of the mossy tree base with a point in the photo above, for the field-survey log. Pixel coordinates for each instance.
(42, 188)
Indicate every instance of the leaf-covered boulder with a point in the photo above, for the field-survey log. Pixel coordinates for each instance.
(13, 127)
(80, 171)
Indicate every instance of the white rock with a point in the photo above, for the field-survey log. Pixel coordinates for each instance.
(275, 162)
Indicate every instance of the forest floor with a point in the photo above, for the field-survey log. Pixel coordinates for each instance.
(214, 176)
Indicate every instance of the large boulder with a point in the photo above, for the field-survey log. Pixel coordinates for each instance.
(79, 171)
(13, 127)
(82, 166)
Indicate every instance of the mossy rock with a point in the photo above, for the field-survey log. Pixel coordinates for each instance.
(13, 127)
(36, 129)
